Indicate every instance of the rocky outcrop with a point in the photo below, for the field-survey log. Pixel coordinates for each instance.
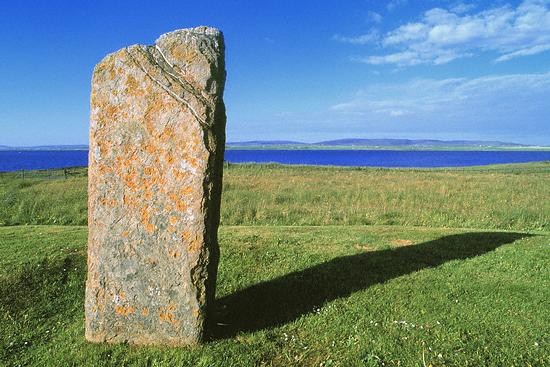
(157, 135)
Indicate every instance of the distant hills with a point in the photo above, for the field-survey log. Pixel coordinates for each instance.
(381, 143)
(47, 147)
(334, 144)
(420, 142)
(265, 142)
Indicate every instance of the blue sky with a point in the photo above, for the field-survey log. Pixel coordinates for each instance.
(298, 70)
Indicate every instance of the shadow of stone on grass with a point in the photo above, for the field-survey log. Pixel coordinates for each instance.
(284, 299)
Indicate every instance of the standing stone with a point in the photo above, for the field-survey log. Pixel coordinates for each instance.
(157, 136)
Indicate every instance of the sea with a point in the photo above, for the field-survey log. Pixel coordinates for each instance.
(44, 159)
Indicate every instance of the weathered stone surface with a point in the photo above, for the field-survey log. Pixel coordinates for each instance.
(157, 135)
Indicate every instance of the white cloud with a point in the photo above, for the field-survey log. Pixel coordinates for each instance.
(370, 37)
(495, 107)
(499, 102)
(445, 35)
(374, 17)
(524, 52)
(462, 7)
(393, 4)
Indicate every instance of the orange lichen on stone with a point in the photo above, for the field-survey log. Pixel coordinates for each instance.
(130, 179)
(124, 310)
(167, 134)
(112, 72)
(194, 245)
(186, 191)
(149, 149)
(169, 158)
(173, 220)
(193, 162)
(132, 87)
(144, 311)
(166, 315)
(106, 202)
(180, 205)
(184, 54)
(186, 235)
(150, 228)
(104, 169)
(112, 111)
(169, 318)
(161, 181)
(145, 216)
(174, 253)
(178, 175)
(100, 299)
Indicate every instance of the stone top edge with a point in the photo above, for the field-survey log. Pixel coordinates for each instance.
(201, 30)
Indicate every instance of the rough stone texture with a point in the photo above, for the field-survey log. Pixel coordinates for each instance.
(157, 136)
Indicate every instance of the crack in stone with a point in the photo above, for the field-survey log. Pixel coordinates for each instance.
(187, 86)
(168, 90)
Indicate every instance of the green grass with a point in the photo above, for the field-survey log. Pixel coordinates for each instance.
(511, 197)
(453, 269)
(323, 296)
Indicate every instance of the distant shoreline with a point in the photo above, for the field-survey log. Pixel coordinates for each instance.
(331, 147)
(389, 147)
(340, 144)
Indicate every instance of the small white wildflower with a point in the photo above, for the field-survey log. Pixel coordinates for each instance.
(439, 355)
(536, 344)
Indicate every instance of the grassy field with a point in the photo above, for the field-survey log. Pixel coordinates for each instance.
(323, 296)
(303, 282)
(511, 197)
